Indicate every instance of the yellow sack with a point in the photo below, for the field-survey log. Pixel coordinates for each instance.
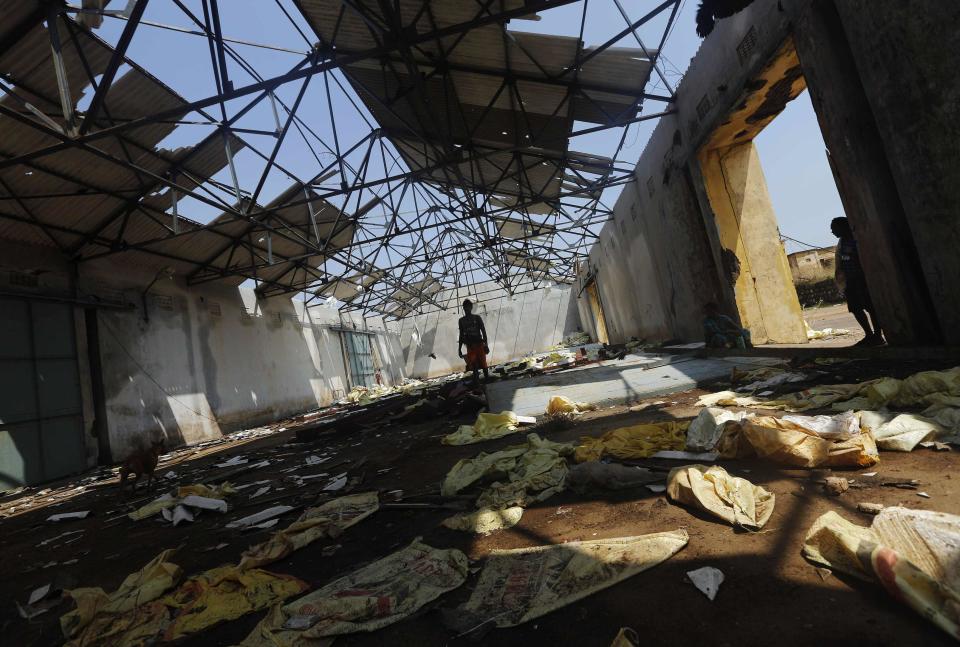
(140, 587)
(219, 492)
(225, 593)
(561, 404)
(487, 427)
(912, 553)
(788, 443)
(485, 520)
(327, 520)
(638, 441)
(735, 500)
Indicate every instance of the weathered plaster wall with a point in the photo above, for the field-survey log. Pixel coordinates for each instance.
(203, 360)
(766, 299)
(516, 326)
(906, 55)
(883, 83)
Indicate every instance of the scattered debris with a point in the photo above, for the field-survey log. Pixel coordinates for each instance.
(337, 483)
(485, 520)
(60, 536)
(68, 516)
(233, 461)
(626, 637)
(836, 485)
(261, 516)
(707, 579)
(560, 404)
(315, 460)
(657, 488)
(609, 476)
(675, 455)
(923, 494)
(328, 520)
(870, 508)
(735, 500)
(707, 427)
(487, 427)
(260, 491)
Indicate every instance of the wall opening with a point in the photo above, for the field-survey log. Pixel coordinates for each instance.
(596, 309)
(752, 247)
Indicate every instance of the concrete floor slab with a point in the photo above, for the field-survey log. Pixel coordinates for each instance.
(613, 382)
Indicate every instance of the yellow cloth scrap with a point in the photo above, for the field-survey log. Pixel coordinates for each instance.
(560, 404)
(912, 553)
(140, 587)
(638, 441)
(735, 500)
(487, 427)
(225, 593)
(927, 388)
(521, 584)
(199, 489)
(371, 598)
(485, 520)
(524, 473)
(788, 443)
(327, 520)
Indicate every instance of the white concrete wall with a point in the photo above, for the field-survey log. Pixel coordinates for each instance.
(183, 372)
(525, 323)
(190, 374)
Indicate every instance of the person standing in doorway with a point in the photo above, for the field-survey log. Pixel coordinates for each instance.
(473, 335)
(853, 284)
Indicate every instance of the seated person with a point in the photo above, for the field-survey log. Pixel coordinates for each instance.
(720, 331)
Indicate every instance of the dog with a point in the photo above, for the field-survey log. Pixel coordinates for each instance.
(141, 463)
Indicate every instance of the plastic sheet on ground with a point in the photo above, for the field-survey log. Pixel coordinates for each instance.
(899, 432)
(485, 520)
(371, 598)
(519, 585)
(594, 475)
(140, 587)
(560, 404)
(707, 427)
(169, 500)
(922, 389)
(225, 593)
(326, 521)
(778, 379)
(637, 441)
(487, 427)
(733, 499)
(826, 333)
(522, 474)
(912, 553)
(794, 444)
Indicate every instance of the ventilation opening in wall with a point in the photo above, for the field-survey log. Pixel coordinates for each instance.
(162, 301)
(214, 309)
(763, 209)
(747, 46)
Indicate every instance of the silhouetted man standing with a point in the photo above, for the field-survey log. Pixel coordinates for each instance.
(852, 282)
(473, 335)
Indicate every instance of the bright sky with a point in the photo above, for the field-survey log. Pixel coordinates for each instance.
(791, 148)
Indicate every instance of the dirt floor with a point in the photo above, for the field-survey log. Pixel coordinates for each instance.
(771, 593)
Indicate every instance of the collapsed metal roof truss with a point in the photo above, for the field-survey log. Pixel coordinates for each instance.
(440, 141)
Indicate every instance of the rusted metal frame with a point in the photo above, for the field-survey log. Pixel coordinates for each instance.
(31, 215)
(116, 60)
(280, 138)
(621, 35)
(56, 53)
(253, 222)
(653, 62)
(297, 73)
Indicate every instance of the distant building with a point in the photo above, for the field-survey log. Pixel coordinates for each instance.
(812, 265)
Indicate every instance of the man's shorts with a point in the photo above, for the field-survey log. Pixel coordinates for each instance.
(476, 356)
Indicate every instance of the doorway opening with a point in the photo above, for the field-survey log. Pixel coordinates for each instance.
(596, 308)
(754, 245)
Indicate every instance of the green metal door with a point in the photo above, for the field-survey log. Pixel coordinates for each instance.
(360, 355)
(41, 422)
